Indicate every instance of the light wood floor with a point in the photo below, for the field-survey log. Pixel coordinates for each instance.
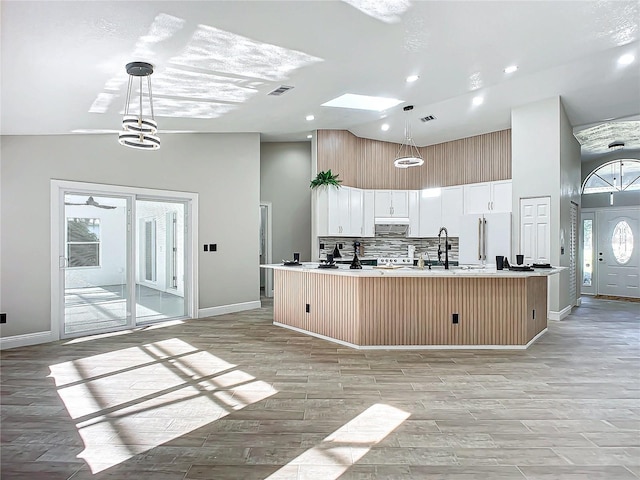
(233, 397)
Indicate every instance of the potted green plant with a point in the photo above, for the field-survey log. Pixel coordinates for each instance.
(325, 178)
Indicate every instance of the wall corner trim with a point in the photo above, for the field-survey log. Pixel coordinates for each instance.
(27, 339)
(231, 308)
(562, 314)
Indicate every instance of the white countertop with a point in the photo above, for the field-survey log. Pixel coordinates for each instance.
(462, 271)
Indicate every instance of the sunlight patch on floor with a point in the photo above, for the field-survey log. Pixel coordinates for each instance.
(128, 401)
(344, 447)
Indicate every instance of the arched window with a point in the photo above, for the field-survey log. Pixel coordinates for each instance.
(615, 176)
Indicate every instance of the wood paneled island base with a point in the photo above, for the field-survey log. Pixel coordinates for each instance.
(373, 310)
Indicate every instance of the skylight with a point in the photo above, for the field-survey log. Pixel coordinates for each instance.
(362, 102)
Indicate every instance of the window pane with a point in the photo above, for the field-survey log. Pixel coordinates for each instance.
(622, 242)
(587, 245)
(618, 175)
(83, 254)
(83, 230)
(631, 175)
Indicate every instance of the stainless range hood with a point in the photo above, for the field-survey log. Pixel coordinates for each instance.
(397, 225)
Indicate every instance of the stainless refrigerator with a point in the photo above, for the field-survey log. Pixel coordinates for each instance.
(483, 237)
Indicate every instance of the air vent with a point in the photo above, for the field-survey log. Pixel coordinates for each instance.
(428, 118)
(280, 90)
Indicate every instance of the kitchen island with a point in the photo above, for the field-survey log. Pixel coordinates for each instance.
(413, 308)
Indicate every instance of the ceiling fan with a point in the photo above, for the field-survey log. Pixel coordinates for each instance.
(92, 203)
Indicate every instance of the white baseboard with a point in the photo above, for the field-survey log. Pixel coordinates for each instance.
(562, 314)
(231, 308)
(413, 347)
(578, 301)
(27, 339)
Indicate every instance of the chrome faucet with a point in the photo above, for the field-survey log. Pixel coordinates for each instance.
(446, 247)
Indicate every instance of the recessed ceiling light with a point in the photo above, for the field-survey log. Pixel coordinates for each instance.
(309, 136)
(478, 101)
(511, 69)
(384, 127)
(412, 78)
(362, 102)
(310, 117)
(626, 59)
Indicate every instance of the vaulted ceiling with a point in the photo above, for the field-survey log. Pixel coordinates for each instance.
(63, 64)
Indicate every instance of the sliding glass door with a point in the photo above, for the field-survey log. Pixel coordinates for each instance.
(160, 240)
(95, 262)
(121, 257)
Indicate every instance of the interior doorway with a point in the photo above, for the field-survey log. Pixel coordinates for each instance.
(266, 275)
(121, 257)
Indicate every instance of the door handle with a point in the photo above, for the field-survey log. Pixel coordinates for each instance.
(484, 239)
(479, 239)
(63, 262)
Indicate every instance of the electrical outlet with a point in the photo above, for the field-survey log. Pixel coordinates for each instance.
(455, 318)
(3, 318)
(534, 314)
(340, 245)
(307, 308)
(322, 246)
(213, 247)
(206, 247)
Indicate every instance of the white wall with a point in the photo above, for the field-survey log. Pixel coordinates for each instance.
(570, 164)
(546, 162)
(285, 174)
(224, 169)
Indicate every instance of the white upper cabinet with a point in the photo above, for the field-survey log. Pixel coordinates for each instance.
(452, 199)
(391, 203)
(487, 197)
(345, 212)
(501, 196)
(430, 212)
(414, 214)
(356, 211)
(368, 220)
(441, 208)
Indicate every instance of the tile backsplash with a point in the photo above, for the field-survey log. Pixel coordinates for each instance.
(389, 245)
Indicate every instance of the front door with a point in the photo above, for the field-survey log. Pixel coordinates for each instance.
(618, 252)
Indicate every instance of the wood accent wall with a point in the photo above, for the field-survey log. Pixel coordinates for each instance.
(340, 152)
(366, 163)
(379, 311)
(332, 311)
